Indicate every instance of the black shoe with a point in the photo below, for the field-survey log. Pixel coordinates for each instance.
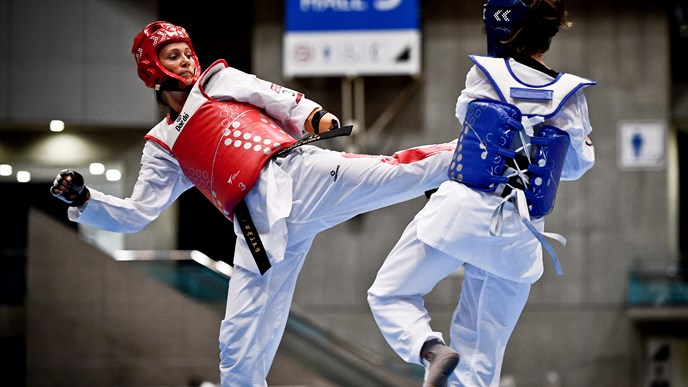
(440, 363)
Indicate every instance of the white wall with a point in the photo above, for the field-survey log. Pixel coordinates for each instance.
(67, 60)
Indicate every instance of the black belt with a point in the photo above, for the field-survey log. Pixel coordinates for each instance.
(251, 236)
(515, 182)
(343, 131)
(243, 214)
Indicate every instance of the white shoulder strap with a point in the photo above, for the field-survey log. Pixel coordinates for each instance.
(533, 100)
(167, 134)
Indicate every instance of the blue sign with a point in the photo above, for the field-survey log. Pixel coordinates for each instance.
(642, 144)
(351, 37)
(351, 15)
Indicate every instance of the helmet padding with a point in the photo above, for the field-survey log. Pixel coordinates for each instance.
(145, 50)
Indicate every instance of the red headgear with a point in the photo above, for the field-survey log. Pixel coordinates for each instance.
(145, 50)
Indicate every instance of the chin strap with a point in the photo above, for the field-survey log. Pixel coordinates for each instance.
(172, 84)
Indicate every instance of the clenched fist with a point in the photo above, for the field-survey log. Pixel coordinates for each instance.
(69, 187)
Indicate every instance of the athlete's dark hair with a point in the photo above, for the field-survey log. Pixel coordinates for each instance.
(160, 99)
(540, 23)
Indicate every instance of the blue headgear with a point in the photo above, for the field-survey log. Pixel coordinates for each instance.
(500, 17)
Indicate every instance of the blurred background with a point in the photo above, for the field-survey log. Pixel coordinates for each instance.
(82, 307)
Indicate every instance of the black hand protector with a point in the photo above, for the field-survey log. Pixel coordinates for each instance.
(76, 193)
(315, 121)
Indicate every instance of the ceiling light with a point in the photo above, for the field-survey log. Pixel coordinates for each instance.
(56, 126)
(113, 175)
(23, 176)
(5, 170)
(96, 168)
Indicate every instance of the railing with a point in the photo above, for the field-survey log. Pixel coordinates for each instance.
(658, 284)
(306, 339)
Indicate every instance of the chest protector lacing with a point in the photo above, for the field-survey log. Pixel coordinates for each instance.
(497, 153)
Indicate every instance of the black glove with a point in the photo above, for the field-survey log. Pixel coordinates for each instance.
(315, 121)
(74, 192)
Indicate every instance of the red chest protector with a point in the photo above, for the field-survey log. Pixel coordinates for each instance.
(221, 146)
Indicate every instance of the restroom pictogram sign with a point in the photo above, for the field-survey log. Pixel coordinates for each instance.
(642, 144)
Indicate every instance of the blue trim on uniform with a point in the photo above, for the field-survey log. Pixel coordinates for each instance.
(489, 77)
(508, 66)
(563, 101)
(513, 75)
(567, 96)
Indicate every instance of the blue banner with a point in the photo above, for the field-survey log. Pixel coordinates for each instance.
(351, 15)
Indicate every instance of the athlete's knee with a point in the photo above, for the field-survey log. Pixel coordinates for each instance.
(379, 298)
(372, 296)
(375, 296)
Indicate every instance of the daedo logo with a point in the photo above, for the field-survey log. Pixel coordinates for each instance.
(181, 120)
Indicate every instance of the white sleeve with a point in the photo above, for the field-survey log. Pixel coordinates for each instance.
(288, 107)
(573, 118)
(159, 184)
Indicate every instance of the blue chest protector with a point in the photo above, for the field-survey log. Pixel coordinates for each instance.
(494, 154)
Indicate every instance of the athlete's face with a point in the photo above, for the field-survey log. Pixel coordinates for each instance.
(177, 58)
